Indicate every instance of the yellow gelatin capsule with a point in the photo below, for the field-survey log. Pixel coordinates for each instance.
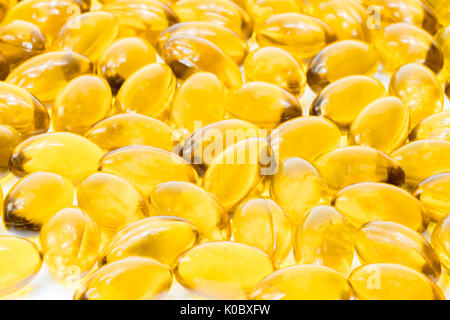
(263, 104)
(221, 12)
(434, 127)
(112, 202)
(200, 101)
(369, 128)
(261, 10)
(9, 139)
(402, 43)
(129, 129)
(146, 167)
(226, 40)
(388, 281)
(390, 242)
(324, 237)
(122, 59)
(341, 59)
(70, 242)
(187, 55)
(303, 36)
(293, 138)
(222, 269)
(422, 159)
(67, 154)
(298, 187)
(434, 194)
(21, 262)
(244, 164)
(345, 166)
(440, 240)
(368, 201)
(160, 238)
(302, 282)
(84, 101)
(46, 74)
(420, 90)
(34, 199)
(88, 34)
(276, 66)
(20, 40)
(344, 99)
(262, 223)
(133, 278)
(190, 202)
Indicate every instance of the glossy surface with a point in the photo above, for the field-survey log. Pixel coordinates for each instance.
(434, 194)
(9, 139)
(261, 10)
(440, 240)
(441, 9)
(435, 127)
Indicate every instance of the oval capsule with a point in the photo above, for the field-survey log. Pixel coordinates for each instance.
(303, 36)
(344, 99)
(367, 201)
(369, 128)
(434, 127)
(324, 237)
(434, 194)
(345, 166)
(22, 261)
(34, 199)
(387, 281)
(46, 74)
(160, 238)
(70, 242)
(390, 242)
(9, 139)
(132, 278)
(222, 269)
(263, 104)
(440, 240)
(146, 167)
(302, 282)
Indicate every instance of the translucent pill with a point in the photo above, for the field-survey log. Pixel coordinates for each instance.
(434, 127)
(9, 139)
(440, 240)
(434, 194)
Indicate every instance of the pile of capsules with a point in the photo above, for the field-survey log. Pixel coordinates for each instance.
(242, 149)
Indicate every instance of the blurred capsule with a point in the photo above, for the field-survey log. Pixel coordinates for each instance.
(434, 194)
(441, 9)
(440, 240)
(436, 126)
(261, 10)
(9, 139)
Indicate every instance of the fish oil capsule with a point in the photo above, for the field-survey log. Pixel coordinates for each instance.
(198, 102)
(261, 10)
(276, 66)
(303, 36)
(122, 59)
(324, 237)
(244, 164)
(441, 9)
(262, 223)
(187, 55)
(133, 278)
(146, 167)
(147, 91)
(419, 89)
(443, 41)
(160, 238)
(222, 269)
(21, 262)
(190, 202)
(67, 154)
(9, 139)
(34, 199)
(422, 159)
(128, 129)
(293, 138)
(434, 194)
(263, 104)
(71, 242)
(402, 43)
(20, 40)
(434, 127)
(298, 187)
(341, 59)
(222, 12)
(344, 99)
(368, 201)
(345, 166)
(440, 240)
(390, 242)
(112, 202)
(226, 40)
(84, 101)
(388, 281)
(369, 128)
(46, 74)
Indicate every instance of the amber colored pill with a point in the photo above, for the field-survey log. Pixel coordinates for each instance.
(440, 240)
(434, 194)
(434, 127)
(9, 139)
